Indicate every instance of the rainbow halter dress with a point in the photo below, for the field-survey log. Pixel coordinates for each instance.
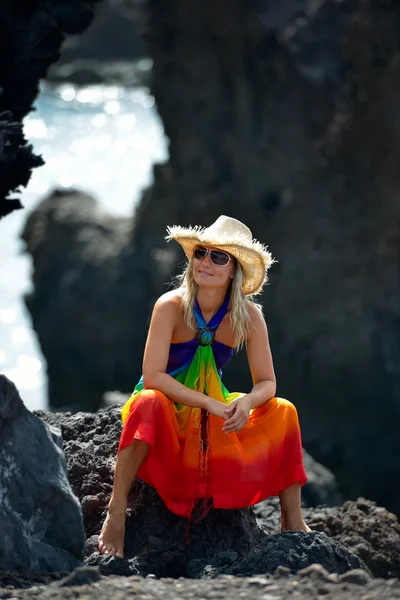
(190, 457)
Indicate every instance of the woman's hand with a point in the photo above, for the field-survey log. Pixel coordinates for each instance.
(215, 407)
(237, 414)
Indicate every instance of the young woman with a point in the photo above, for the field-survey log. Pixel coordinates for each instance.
(184, 433)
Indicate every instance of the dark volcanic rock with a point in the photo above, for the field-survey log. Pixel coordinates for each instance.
(294, 550)
(369, 530)
(88, 241)
(40, 519)
(291, 550)
(16, 161)
(24, 578)
(31, 34)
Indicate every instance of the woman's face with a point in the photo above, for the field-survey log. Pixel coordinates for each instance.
(208, 274)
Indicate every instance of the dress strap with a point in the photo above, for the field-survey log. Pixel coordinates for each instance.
(206, 331)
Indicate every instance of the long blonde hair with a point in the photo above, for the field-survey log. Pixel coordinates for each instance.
(239, 303)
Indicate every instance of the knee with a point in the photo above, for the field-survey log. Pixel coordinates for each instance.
(287, 406)
(153, 398)
(151, 394)
(144, 404)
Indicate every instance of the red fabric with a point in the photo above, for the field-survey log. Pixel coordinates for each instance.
(195, 459)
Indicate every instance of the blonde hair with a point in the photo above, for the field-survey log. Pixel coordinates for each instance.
(239, 303)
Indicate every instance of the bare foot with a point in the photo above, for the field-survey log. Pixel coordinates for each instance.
(294, 525)
(111, 538)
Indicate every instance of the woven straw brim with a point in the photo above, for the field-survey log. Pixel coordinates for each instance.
(252, 255)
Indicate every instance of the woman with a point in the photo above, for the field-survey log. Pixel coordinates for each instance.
(184, 433)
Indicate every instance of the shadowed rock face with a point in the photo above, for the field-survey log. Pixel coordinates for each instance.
(84, 242)
(108, 50)
(40, 519)
(31, 34)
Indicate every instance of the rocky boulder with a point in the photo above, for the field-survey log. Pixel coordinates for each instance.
(368, 530)
(87, 241)
(40, 518)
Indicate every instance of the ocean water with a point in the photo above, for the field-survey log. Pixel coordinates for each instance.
(100, 139)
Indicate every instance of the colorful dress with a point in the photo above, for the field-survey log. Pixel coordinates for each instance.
(190, 457)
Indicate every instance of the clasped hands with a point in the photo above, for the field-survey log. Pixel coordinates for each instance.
(236, 415)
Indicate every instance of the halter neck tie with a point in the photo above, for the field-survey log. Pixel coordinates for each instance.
(206, 331)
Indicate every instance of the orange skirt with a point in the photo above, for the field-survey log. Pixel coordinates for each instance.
(195, 459)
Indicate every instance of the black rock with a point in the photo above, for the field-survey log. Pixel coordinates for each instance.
(31, 35)
(40, 518)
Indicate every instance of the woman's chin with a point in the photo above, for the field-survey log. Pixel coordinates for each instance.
(208, 282)
(205, 281)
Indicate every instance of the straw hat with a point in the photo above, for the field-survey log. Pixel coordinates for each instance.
(233, 237)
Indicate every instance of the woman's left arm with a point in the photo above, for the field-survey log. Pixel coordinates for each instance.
(260, 360)
(262, 372)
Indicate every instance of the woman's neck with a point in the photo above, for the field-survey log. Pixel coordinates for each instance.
(210, 300)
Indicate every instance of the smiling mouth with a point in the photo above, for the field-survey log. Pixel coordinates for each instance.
(205, 273)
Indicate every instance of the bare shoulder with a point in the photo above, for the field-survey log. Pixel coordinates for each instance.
(256, 313)
(257, 320)
(169, 303)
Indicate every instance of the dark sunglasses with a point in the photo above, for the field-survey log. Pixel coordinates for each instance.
(217, 257)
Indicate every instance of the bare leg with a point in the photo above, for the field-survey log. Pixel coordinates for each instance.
(291, 515)
(111, 539)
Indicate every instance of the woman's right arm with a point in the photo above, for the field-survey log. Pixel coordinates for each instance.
(164, 318)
